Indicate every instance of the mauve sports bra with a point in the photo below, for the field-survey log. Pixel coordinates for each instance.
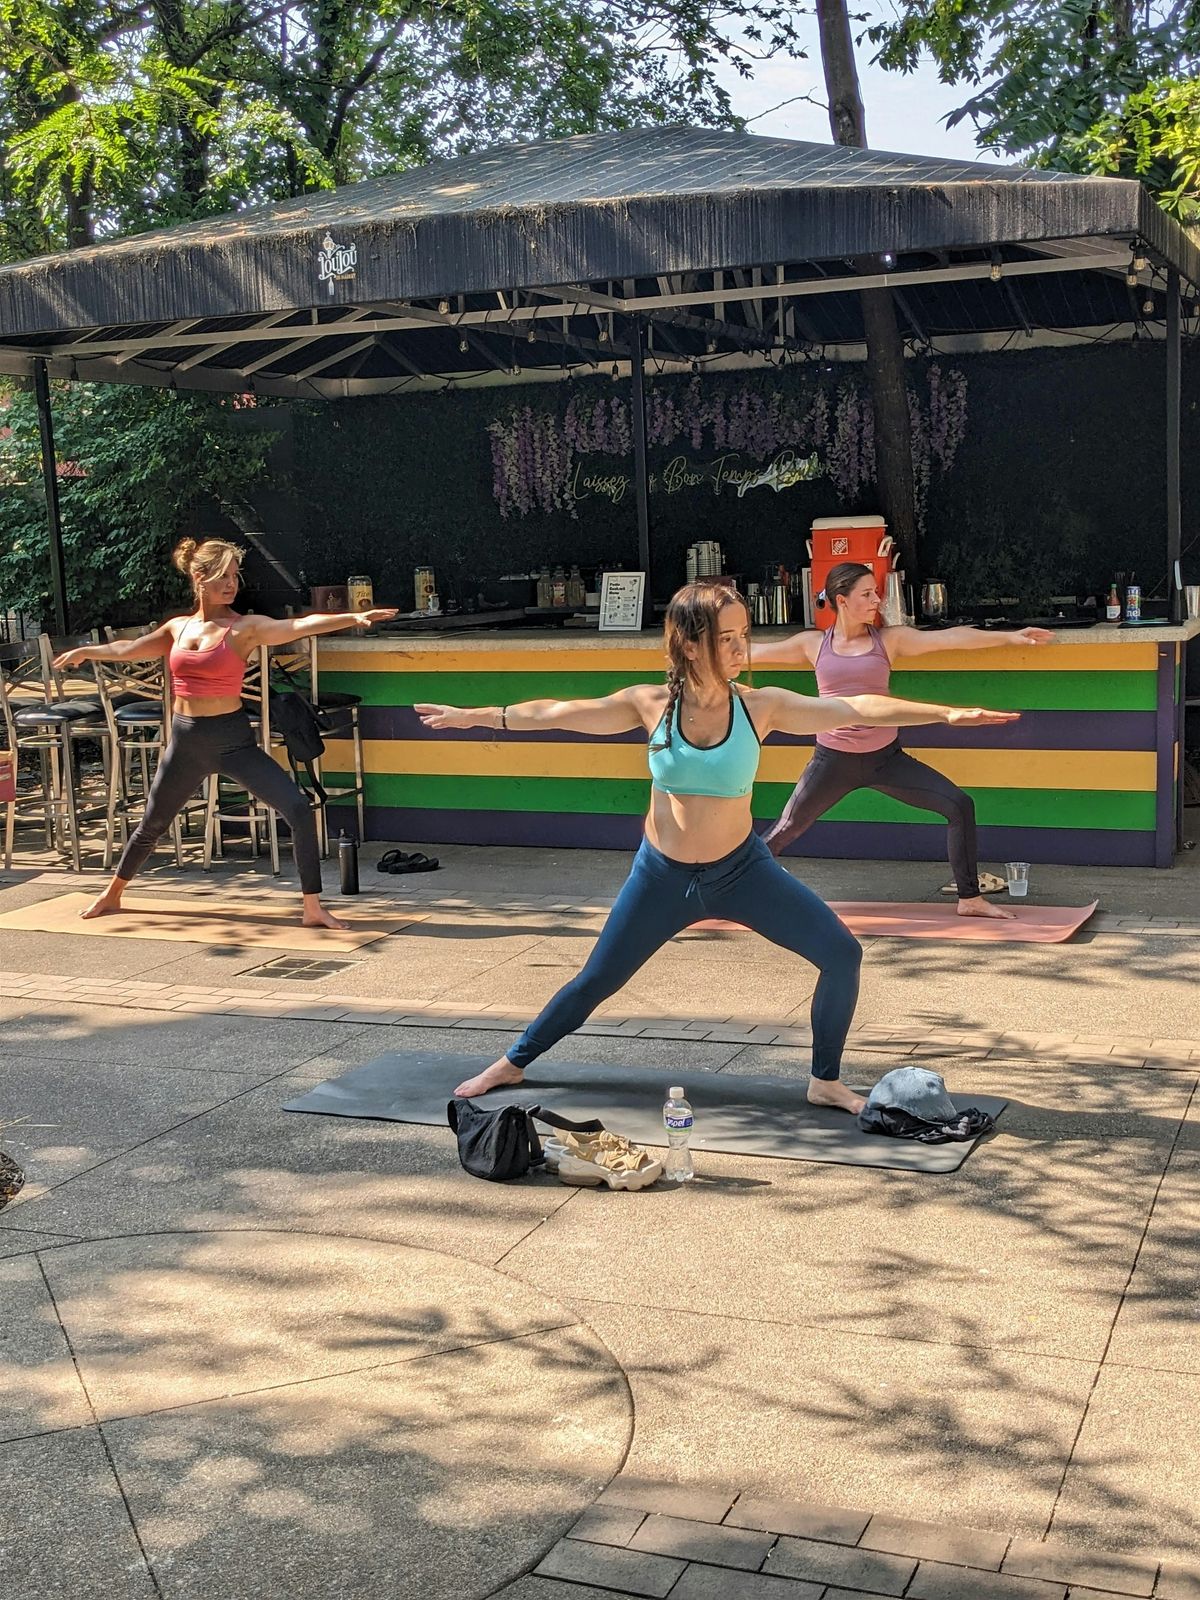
(212, 674)
(868, 673)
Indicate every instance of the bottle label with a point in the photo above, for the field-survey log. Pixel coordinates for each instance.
(676, 1123)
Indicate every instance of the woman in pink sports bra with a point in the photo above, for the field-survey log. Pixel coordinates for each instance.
(207, 652)
(855, 657)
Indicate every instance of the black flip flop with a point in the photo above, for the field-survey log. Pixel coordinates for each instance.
(415, 863)
(391, 859)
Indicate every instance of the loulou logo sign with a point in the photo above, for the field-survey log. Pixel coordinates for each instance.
(335, 261)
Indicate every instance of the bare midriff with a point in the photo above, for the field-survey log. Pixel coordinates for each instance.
(696, 827)
(210, 706)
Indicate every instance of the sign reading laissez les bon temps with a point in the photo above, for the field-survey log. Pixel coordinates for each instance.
(730, 473)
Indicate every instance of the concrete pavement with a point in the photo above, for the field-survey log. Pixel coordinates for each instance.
(298, 1356)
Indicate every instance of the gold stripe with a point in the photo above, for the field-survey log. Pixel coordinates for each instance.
(649, 659)
(973, 769)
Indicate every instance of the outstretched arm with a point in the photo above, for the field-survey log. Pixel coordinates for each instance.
(795, 651)
(284, 630)
(150, 647)
(802, 713)
(615, 713)
(911, 642)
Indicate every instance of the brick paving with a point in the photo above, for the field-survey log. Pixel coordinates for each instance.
(647, 1539)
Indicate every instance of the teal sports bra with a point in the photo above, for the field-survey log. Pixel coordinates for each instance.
(724, 771)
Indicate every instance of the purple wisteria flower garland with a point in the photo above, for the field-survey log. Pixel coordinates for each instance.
(534, 453)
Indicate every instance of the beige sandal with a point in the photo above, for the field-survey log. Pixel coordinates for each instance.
(590, 1159)
(989, 883)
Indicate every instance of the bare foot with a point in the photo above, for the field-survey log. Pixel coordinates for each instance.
(318, 917)
(496, 1076)
(102, 907)
(979, 907)
(833, 1092)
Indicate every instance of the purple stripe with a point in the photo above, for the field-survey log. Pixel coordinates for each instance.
(1165, 732)
(1037, 730)
(851, 841)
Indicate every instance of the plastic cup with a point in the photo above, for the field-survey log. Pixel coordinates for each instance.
(1017, 874)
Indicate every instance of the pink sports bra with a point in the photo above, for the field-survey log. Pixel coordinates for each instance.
(212, 674)
(869, 673)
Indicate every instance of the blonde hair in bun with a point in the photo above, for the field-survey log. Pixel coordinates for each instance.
(209, 559)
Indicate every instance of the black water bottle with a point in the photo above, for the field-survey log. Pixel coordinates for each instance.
(348, 864)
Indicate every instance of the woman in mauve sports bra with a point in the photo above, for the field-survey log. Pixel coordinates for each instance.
(855, 657)
(207, 652)
(700, 856)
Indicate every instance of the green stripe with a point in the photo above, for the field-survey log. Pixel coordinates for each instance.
(1011, 691)
(1124, 810)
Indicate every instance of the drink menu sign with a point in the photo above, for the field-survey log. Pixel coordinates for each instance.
(621, 601)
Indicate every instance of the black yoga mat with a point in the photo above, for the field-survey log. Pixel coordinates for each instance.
(750, 1116)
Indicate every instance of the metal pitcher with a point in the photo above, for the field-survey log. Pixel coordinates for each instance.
(934, 603)
(894, 613)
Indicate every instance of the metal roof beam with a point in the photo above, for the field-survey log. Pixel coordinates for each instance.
(338, 355)
(417, 318)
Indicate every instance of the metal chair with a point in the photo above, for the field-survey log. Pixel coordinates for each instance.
(21, 691)
(136, 707)
(228, 805)
(339, 714)
(76, 712)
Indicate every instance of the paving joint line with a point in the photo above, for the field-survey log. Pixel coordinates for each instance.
(100, 1434)
(1112, 1327)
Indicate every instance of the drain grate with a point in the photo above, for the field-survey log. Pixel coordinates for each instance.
(305, 969)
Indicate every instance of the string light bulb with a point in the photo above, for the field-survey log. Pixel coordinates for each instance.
(1148, 305)
(888, 259)
(444, 307)
(1140, 263)
(615, 372)
(463, 346)
(1131, 276)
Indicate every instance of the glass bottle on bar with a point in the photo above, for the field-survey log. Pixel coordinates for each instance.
(543, 589)
(558, 587)
(575, 590)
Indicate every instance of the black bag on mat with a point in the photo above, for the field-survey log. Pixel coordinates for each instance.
(502, 1143)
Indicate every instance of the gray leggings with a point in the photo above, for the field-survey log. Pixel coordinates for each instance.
(201, 746)
(833, 774)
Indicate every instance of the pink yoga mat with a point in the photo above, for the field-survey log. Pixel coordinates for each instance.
(894, 920)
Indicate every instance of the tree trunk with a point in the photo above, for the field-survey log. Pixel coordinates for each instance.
(885, 348)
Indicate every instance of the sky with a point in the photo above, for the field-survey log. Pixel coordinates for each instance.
(903, 112)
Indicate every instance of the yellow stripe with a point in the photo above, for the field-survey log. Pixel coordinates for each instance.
(1035, 658)
(389, 659)
(973, 769)
(649, 659)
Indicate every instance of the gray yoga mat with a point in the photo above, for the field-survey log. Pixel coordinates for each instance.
(736, 1115)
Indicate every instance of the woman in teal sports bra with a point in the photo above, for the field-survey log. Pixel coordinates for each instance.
(701, 856)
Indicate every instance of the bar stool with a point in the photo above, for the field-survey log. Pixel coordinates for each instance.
(338, 712)
(21, 691)
(228, 805)
(74, 711)
(136, 707)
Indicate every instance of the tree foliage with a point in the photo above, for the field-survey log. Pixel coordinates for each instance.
(120, 115)
(1087, 85)
(132, 463)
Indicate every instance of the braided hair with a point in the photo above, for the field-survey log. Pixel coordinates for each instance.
(693, 617)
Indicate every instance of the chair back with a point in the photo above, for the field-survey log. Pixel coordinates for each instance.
(112, 634)
(75, 681)
(21, 682)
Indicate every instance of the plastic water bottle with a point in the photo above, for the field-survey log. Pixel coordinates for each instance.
(678, 1121)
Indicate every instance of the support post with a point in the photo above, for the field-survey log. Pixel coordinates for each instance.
(1174, 502)
(58, 586)
(641, 470)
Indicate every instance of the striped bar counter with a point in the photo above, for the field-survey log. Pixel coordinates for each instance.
(1089, 775)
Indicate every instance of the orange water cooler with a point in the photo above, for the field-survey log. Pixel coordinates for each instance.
(838, 539)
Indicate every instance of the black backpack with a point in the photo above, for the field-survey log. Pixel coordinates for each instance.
(300, 724)
(502, 1144)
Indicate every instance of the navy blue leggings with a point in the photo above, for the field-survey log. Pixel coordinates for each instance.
(661, 897)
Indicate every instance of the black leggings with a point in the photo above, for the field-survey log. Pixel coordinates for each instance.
(833, 774)
(201, 746)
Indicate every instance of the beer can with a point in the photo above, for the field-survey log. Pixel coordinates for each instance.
(361, 592)
(423, 587)
(1133, 603)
